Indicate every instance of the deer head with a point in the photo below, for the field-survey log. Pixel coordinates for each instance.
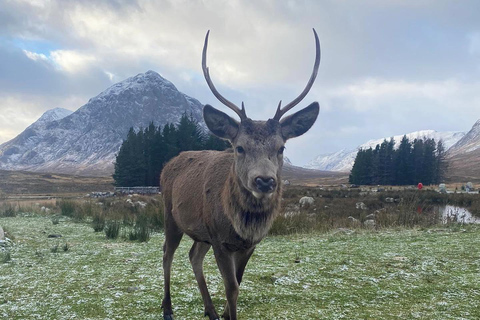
(259, 145)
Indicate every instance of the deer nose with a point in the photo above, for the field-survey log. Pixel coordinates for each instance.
(265, 184)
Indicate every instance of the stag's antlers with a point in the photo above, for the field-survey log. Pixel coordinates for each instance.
(241, 112)
(280, 111)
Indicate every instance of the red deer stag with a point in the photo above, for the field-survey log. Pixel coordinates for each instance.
(228, 199)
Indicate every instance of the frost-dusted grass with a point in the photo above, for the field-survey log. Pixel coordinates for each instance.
(391, 274)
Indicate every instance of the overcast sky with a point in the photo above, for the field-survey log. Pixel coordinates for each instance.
(387, 68)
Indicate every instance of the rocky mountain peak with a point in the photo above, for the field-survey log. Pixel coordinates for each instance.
(470, 142)
(54, 114)
(85, 142)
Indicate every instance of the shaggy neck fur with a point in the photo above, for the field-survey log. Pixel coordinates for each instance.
(251, 217)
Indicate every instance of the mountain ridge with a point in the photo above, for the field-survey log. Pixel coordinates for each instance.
(343, 160)
(85, 142)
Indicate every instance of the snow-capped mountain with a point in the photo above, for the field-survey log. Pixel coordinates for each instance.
(338, 161)
(464, 156)
(343, 160)
(86, 141)
(53, 114)
(468, 143)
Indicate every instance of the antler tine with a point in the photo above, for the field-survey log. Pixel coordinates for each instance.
(241, 112)
(281, 111)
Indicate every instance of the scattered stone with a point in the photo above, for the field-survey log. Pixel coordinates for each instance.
(361, 205)
(369, 224)
(306, 201)
(286, 182)
(54, 236)
(389, 200)
(141, 204)
(353, 219)
(400, 258)
(345, 230)
(45, 209)
(132, 289)
(371, 216)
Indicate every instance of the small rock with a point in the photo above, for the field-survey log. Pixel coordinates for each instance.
(398, 258)
(369, 223)
(361, 205)
(54, 236)
(141, 204)
(371, 216)
(345, 230)
(132, 289)
(306, 201)
(389, 200)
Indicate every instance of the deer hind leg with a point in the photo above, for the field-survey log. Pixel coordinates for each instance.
(197, 255)
(173, 235)
(240, 259)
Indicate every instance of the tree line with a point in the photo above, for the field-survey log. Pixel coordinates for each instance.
(143, 153)
(422, 160)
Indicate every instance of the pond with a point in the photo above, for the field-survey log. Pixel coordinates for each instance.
(457, 214)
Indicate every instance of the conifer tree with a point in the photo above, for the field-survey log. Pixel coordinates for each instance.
(143, 154)
(442, 165)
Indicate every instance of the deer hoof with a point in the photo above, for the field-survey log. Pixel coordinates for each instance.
(168, 317)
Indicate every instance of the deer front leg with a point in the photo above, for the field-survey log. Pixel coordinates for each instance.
(197, 254)
(240, 259)
(226, 264)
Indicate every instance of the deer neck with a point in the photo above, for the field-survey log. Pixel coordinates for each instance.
(250, 217)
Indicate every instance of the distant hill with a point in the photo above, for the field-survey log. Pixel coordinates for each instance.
(464, 157)
(86, 141)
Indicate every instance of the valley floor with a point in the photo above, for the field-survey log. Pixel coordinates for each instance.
(391, 274)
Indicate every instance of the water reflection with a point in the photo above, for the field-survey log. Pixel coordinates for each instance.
(457, 214)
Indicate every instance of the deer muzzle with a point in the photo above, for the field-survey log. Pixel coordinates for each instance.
(265, 184)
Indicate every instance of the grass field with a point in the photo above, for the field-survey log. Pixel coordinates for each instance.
(390, 274)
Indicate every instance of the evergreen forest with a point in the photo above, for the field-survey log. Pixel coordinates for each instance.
(144, 152)
(421, 160)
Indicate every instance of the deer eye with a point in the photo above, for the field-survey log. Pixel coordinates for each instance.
(280, 151)
(240, 150)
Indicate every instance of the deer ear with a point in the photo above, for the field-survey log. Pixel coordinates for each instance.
(300, 122)
(221, 124)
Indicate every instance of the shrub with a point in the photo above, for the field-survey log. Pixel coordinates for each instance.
(8, 211)
(5, 256)
(66, 247)
(294, 223)
(55, 219)
(112, 229)
(54, 249)
(141, 230)
(98, 222)
(67, 207)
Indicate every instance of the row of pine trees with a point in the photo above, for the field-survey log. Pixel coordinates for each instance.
(422, 160)
(144, 153)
